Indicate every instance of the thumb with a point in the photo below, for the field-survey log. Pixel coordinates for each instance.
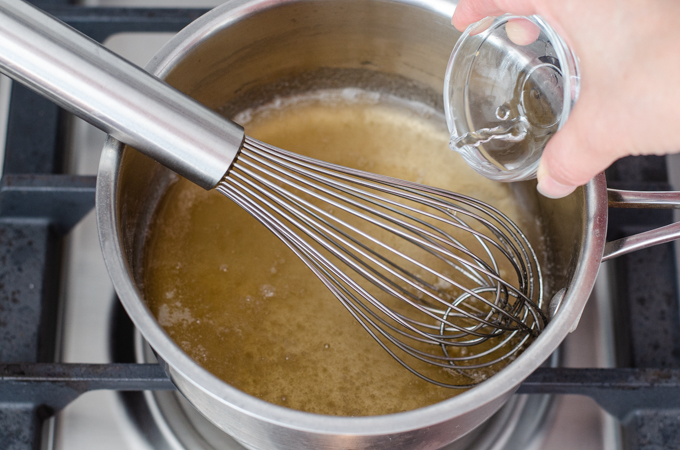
(574, 155)
(470, 11)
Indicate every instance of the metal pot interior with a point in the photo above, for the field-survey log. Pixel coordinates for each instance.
(393, 48)
(244, 54)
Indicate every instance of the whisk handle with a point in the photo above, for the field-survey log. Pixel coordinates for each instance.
(115, 95)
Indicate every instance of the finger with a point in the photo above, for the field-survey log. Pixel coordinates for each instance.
(522, 31)
(470, 11)
(572, 157)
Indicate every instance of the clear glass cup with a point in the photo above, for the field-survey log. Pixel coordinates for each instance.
(504, 100)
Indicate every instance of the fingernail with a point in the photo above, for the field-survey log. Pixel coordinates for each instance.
(481, 26)
(522, 31)
(550, 188)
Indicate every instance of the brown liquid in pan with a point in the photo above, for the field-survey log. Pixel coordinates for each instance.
(240, 303)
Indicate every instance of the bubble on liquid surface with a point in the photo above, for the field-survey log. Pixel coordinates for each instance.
(267, 291)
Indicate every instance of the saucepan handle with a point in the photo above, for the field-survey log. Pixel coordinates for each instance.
(641, 199)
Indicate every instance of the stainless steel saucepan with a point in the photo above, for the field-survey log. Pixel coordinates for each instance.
(244, 53)
(247, 52)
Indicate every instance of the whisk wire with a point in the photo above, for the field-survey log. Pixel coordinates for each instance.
(353, 250)
(358, 177)
(483, 314)
(364, 196)
(307, 254)
(297, 200)
(349, 259)
(348, 188)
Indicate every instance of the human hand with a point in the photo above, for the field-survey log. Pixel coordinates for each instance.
(629, 102)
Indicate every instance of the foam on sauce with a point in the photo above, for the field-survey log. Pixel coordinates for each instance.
(240, 303)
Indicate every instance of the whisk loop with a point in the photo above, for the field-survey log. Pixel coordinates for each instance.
(431, 275)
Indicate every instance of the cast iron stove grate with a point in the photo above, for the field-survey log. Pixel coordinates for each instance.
(39, 204)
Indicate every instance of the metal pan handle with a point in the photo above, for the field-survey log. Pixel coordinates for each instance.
(114, 95)
(638, 199)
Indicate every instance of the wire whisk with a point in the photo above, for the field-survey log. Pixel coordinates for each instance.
(434, 277)
(431, 275)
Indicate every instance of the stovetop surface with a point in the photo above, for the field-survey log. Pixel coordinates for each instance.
(632, 319)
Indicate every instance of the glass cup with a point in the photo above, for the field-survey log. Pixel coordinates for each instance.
(504, 100)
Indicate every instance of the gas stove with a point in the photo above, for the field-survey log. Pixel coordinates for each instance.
(75, 374)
